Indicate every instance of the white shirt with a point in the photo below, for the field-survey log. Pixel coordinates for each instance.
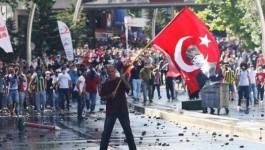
(63, 79)
(81, 80)
(243, 78)
(252, 75)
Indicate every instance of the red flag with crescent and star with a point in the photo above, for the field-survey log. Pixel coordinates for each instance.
(180, 38)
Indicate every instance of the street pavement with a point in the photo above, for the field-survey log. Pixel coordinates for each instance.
(161, 126)
(248, 126)
(149, 132)
(256, 113)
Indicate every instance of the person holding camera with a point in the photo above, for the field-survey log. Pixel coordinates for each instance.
(13, 95)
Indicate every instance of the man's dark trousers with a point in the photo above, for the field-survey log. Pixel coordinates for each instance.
(108, 127)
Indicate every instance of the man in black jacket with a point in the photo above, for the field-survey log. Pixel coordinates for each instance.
(116, 107)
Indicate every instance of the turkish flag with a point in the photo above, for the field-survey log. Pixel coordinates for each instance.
(191, 47)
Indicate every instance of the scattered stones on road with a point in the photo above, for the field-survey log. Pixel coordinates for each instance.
(181, 134)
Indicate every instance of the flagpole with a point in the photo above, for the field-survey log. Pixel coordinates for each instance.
(77, 9)
(127, 69)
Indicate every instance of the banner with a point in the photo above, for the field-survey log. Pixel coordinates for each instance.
(66, 40)
(5, 42)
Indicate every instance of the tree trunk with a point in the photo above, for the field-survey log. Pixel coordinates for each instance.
(154, 22)
(260, 11)
(29, 31)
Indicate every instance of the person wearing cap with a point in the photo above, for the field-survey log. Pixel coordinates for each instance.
(116, 107)
(146, 76)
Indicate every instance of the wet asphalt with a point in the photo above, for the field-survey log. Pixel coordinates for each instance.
(149, 133)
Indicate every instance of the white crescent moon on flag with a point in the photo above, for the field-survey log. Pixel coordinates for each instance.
(178, 57)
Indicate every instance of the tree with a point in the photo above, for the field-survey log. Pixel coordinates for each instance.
(237, 17)
(79, 29)
(45, 33)
(12, 3)
(163, 17)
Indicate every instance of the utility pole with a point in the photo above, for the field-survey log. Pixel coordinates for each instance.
(154, 22)
(77, 8)
(29, 31)
(260, 11)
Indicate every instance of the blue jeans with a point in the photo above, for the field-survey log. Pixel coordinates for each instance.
(147, 90)
(108, 127)
(22, 97)
(40, 100)
(56, 100)
(253, 88)
(157, 87)
(136, 85)
(91, 101)
(13, 97)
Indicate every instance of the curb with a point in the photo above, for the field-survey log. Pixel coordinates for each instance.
(254, 131)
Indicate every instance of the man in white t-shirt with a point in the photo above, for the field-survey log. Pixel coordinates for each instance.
(64, 84)
(243, 83)
(80, 88)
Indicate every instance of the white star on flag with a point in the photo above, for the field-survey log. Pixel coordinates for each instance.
(204, 41)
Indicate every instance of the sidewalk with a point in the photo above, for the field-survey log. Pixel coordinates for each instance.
(248, 126)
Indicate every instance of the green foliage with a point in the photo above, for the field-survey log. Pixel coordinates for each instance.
(79, 29)
(45, 33)
(162, 19)
(239, 18)
(12, 3)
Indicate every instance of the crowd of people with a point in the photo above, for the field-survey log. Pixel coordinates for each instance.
(54, 83)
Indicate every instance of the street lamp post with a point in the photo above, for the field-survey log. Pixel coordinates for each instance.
(29, 31)
(154, 23)
(77, 8)
(126, 25)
